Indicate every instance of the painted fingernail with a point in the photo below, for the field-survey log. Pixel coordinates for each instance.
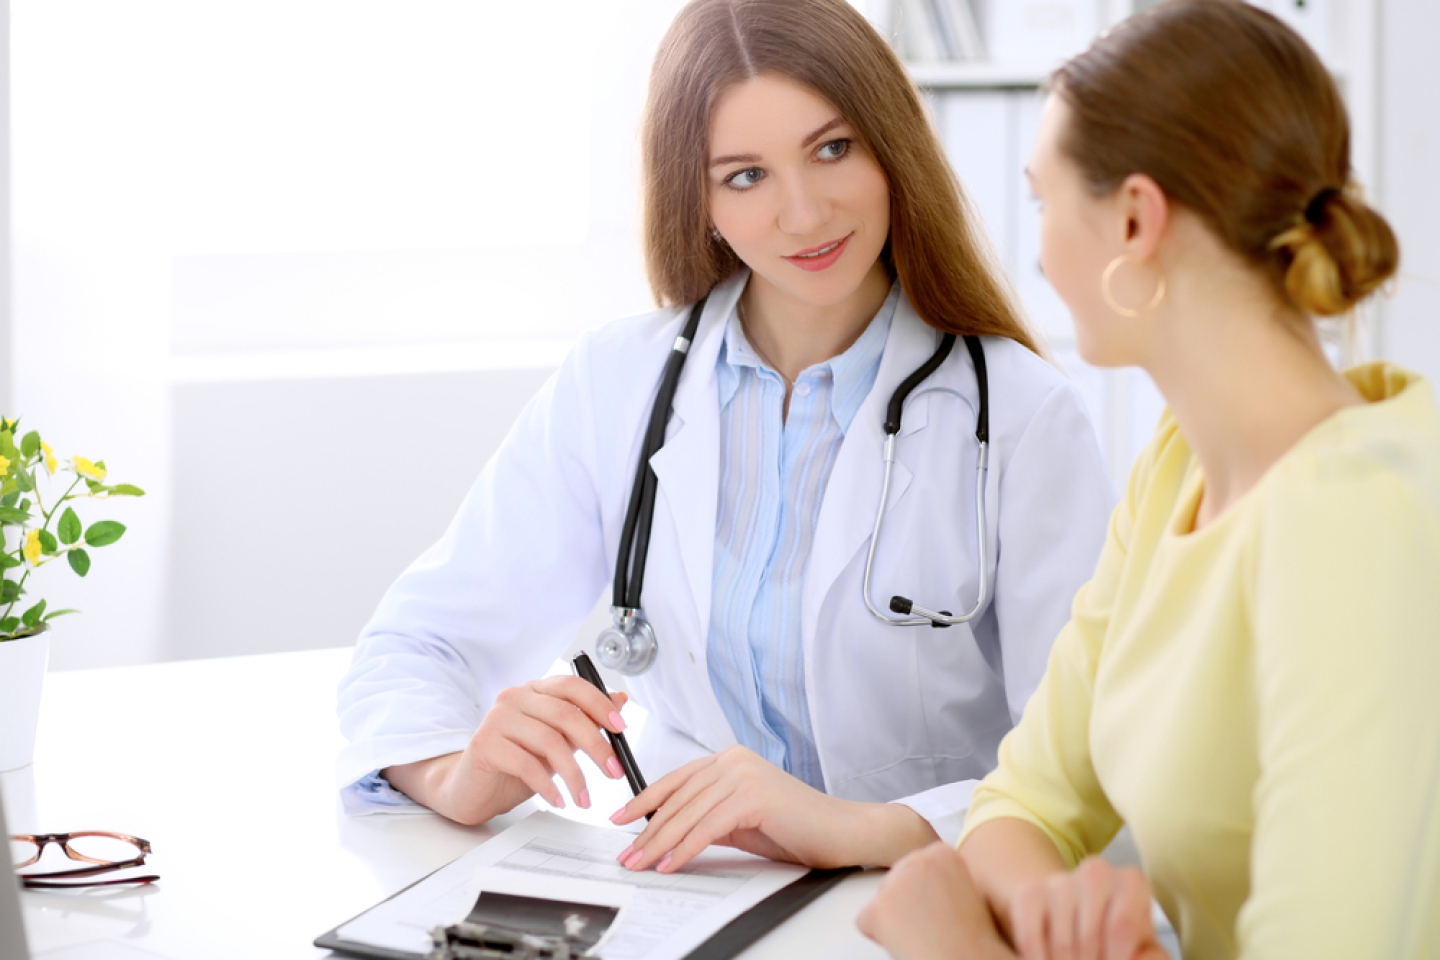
(612, 767)
(557, 801)
(624, 854)
(633, 859)
(616, 721)
(660, 867)
(615, 817)
(584, 799)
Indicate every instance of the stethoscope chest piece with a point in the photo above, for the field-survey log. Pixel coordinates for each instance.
(628, 646)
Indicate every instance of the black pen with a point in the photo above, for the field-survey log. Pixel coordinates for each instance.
(585, 670)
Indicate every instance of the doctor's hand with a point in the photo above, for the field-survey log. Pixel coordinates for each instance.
(929, 907)
(1095, 912)
(530, 734)
(737, 799)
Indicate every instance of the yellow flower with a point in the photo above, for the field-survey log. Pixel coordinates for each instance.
(4, 466)
(32, 546)
(49, 457)
(87, 469)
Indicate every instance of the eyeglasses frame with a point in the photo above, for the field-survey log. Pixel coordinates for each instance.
(70, 878)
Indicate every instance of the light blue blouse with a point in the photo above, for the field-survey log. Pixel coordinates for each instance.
(773, 472)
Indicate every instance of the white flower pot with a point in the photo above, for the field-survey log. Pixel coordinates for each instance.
(22, 672)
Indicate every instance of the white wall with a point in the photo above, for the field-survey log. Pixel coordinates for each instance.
(297, 502)
(217, 202)
(1409, 188)
(90, 293)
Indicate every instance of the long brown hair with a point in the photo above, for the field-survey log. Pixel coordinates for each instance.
(935, 249)
(1235, 118)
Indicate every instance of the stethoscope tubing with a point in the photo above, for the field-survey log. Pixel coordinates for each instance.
(640, 514)
(933, 618)
(629, 646)
(903, 605)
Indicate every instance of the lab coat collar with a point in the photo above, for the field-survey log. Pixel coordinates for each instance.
(847, 513)
(853, 371)
(688, 465)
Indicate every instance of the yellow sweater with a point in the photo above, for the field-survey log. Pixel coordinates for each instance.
(1260, 699)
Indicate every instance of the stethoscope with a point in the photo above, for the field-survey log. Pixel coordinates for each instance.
(629, 646)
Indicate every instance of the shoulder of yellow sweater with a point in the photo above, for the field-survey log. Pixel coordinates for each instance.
(1391, 440)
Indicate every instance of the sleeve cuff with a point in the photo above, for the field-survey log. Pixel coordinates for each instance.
(943, 808)
(372, 794)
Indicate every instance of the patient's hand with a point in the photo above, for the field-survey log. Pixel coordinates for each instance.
(1094, 912)
(928, 907)
(532, 733)
(738, 799)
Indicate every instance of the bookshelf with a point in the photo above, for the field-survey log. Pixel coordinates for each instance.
(978, 75)
(986, 111)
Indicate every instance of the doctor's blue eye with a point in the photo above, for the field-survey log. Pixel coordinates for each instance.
(834, 150)
(743, 179)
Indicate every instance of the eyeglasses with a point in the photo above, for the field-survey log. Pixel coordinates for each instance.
(106, 852)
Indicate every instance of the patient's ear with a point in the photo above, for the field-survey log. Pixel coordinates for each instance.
(1145, 215)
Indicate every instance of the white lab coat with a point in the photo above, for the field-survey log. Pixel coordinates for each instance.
(913, 714)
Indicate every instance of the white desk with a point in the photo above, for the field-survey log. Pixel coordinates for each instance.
(226, 766)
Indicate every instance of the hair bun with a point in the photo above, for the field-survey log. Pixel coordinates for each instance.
(1338, 253)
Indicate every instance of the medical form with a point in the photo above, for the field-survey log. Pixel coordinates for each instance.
(662, 916)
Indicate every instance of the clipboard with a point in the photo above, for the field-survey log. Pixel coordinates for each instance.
(729, 941)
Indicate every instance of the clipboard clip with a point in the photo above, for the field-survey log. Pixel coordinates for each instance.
(484, 941)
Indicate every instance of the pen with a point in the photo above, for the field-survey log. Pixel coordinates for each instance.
(585, 670)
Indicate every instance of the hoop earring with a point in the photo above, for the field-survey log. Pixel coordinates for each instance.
(1110, 300)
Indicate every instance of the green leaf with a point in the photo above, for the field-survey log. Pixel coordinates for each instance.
(69, 528)
(13, 515)
(47, 543)
(58, 613)
(79, 561)
(9, 561)
(95, 485)
(7, 446)
(126, 490)
(10, 488)
(32, 616)
(9, 590)
(9, 624)
(23, 481)
(101, 465)
(31, 444)
(104, 533)
(9, 499)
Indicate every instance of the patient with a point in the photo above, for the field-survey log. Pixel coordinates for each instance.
(1251, 680)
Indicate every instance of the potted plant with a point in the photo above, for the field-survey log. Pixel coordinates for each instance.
(36, 530)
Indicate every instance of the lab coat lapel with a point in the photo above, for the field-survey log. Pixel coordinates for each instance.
(688, 465)
(847, 514)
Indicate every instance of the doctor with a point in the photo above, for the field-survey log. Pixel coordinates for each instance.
(793, 184)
